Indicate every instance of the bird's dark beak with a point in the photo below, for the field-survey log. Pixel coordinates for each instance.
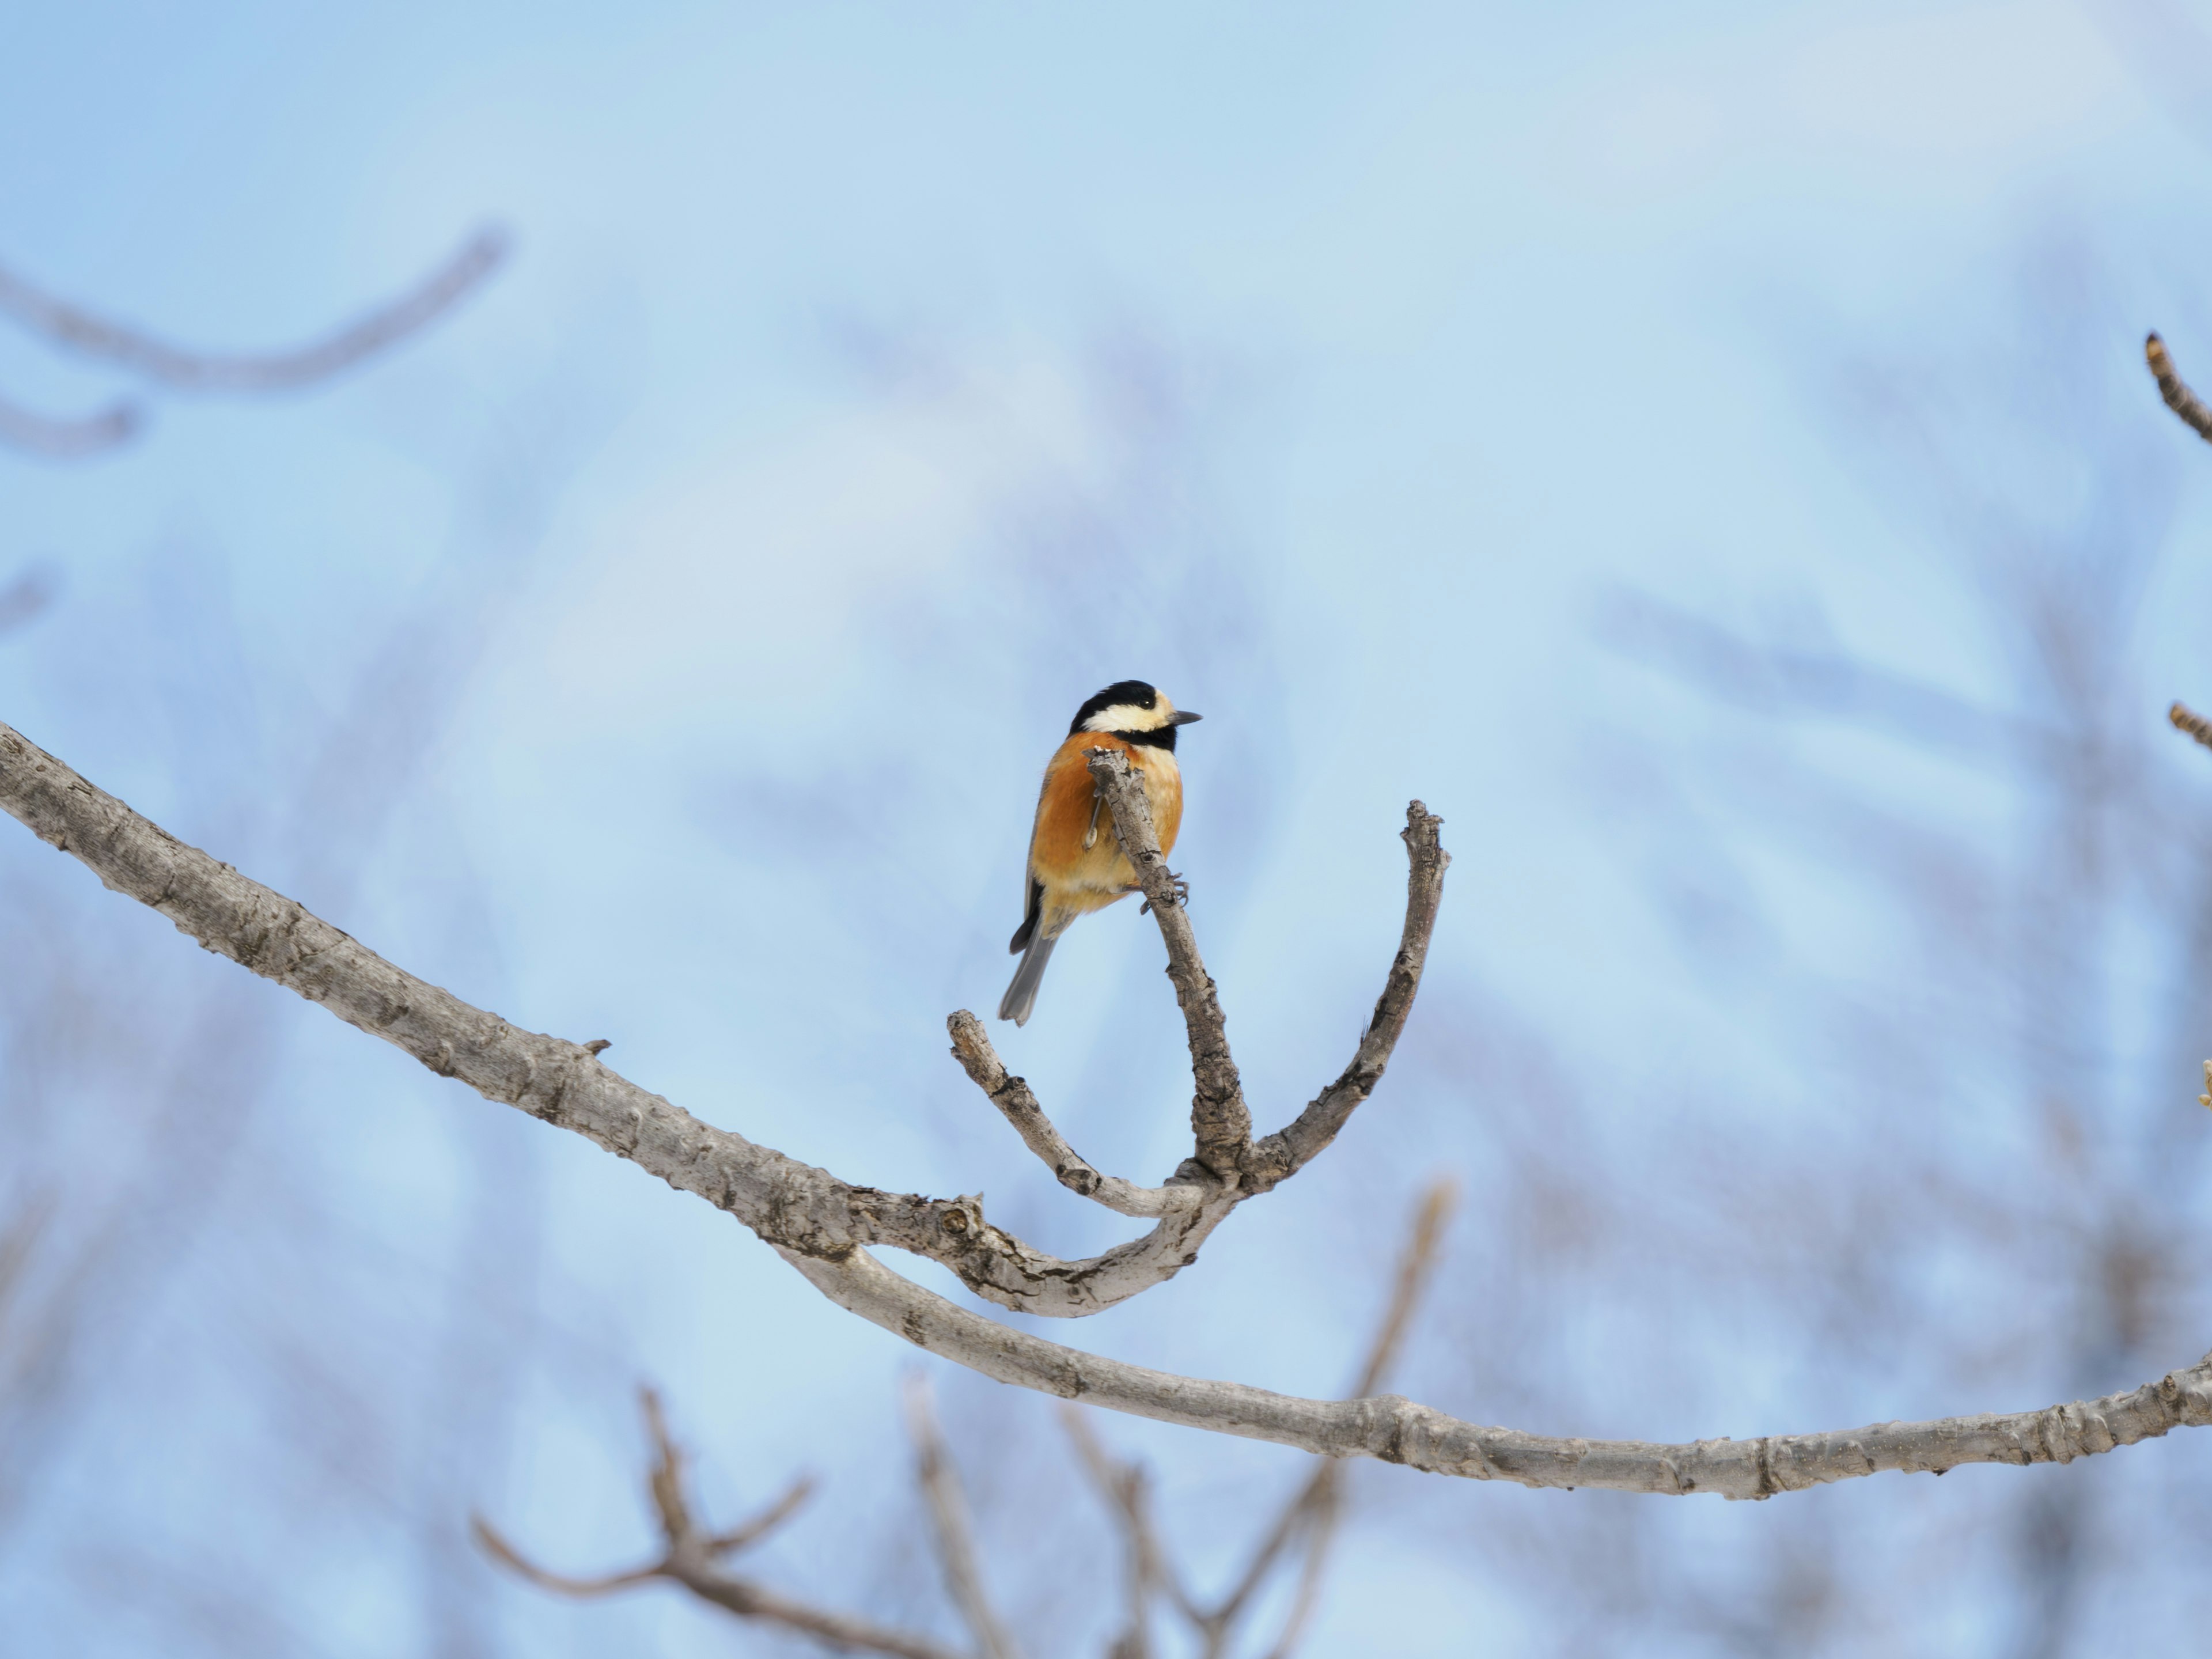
(1184, 717)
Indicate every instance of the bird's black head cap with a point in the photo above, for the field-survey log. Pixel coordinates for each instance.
(1133, 693)
(1134, 712)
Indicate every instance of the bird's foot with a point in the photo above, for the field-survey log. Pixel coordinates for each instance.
(1182, 896)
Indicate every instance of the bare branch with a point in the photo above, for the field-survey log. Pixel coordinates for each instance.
(948, 1511)
(1218, 1116)
(1220, 1120)
(82, 331)
(1399, 1431)
(791, 1205)
(1150, 1568)
(751, 1532)
(1328, 1510)
(507, 1556)
(690, 1562)
(819, 1225)
(2188, 720)
(64, 438)
(665, 1482)
(1314, 1510)
(2178, 398)
(1415, 1266)
(838, 1629)
(971, 1047)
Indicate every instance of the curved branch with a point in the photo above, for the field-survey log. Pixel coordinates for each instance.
(77, 330)
(1395, 1430)
(2171, 387)
(819, 1224)
(956, 1538)
(789, 1204)
(971, 1047)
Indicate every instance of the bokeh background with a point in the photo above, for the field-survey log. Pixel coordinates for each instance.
(1702, 451)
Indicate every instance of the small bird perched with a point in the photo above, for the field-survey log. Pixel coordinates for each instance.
(1076, 863)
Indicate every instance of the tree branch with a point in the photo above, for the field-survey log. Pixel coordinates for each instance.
(971, 1047)
(2178, 398)
(689, 1558)
(956, 1540)
(82, 331)
(1148, 1570)
(1219, 1116)
(1398, 1430)
(792, 1205)
(1316, 1508)
(820, 1225)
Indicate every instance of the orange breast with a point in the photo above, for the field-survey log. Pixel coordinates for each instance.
(1083, 878)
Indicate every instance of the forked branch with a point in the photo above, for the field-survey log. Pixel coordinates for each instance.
(821, 1225)
(1226, 1167)
(694, 1559)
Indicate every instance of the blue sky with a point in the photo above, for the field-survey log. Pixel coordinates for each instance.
(870, 383)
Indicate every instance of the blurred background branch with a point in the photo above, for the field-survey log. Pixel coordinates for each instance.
(1295, 1547)
(74, 329)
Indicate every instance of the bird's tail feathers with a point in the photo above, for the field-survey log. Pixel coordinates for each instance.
(1021, 996)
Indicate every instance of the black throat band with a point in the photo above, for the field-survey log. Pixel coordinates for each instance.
(1162, 738)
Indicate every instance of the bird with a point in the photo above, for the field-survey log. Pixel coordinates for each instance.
(1076, 864)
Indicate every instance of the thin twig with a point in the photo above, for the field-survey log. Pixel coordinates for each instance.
(774, 1516)
(1122, 1486)
(1416, 1265)
(184, 370)
(496, 1545)
(971, 1047)
(1328, 1511)
(2178, 398)
(956, 1538)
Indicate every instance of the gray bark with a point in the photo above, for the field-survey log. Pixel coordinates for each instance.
(820, 1225)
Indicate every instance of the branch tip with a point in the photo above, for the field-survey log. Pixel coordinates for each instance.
(2176, 392)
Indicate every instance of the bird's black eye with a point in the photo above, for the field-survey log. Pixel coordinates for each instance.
(1151, 699)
